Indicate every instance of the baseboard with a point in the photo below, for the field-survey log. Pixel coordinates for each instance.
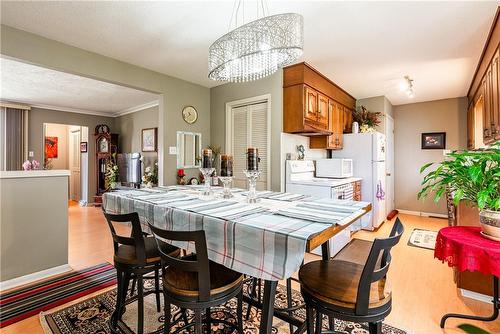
(14, 282)
(476, 296)
(423, 214)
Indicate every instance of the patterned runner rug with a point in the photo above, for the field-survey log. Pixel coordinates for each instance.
(30, 300)
(92, 316)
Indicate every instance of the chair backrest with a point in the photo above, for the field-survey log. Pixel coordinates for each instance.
(377, 266)
(199, 264)
(136, 238)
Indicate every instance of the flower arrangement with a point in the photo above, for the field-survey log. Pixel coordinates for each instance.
(367, 120)
(180, 176)
(150, 177)
(31, 165)
(112, 173)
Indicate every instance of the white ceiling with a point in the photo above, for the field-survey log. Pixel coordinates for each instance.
(39, 86)
(366, 47)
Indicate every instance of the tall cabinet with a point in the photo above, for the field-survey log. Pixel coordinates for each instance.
(483, 113)
(315, 106)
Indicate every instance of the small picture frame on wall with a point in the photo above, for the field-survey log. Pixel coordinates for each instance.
(434, 141)
(148, 140)
(83, 147)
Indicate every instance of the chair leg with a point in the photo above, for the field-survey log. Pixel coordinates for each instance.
(289, 301)
(309, 320)
(208, 319)
(134, 281)
(157, 289)
(140, 305)
(116, 314)
(239, 312)
(184, 316)
(252, 291)
(319, 322)
(375, 327)
(331, 323)
(167, 314)
(197, 322)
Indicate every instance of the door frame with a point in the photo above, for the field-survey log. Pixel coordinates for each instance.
(229, 128)
(392, 205)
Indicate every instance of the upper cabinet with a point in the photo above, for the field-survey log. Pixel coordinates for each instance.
(483, 115)
(315, 106)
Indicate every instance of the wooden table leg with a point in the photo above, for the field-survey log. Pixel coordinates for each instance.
(266, 321)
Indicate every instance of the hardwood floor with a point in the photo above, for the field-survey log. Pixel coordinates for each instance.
(423, 288)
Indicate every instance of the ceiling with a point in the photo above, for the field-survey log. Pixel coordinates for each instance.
(42, 87)
(365, 47)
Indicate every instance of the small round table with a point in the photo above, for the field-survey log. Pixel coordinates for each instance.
(464, 248)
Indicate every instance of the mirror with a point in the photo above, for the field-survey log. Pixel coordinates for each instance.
(188, 149)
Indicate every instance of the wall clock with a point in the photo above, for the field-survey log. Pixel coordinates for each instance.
(189, 114)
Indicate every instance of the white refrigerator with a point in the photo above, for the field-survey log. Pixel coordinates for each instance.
(367, 150)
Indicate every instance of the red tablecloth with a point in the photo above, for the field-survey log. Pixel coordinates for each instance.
(465, 248)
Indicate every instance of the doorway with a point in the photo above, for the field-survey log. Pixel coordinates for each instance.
(62, 150)
(389, 163)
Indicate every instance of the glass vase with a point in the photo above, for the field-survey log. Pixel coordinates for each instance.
(252, 176)
(207, 174)
(226, 181)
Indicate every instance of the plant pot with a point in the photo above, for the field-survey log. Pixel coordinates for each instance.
(490, 222)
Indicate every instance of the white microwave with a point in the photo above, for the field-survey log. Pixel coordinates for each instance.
(334, 168)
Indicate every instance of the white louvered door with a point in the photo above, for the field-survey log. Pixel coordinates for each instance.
(249, 128)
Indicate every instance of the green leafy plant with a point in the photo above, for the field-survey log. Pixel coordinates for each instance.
(470, 329)
(111, 175)
(469, 175)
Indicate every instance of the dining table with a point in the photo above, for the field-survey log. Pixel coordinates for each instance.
(266, 240)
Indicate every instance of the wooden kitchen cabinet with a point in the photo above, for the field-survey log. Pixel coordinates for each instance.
(307, 105)
(484, 93)
(335, 125)
(347, 120)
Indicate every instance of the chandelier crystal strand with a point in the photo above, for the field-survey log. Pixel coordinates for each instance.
(257, 49)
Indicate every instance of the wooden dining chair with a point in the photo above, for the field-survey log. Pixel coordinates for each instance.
(194, 282)
(351, 290)
(134, 257)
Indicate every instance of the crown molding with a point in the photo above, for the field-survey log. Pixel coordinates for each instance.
(136, 108)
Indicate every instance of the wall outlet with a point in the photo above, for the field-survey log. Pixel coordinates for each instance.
(31, 154)
(172, 150)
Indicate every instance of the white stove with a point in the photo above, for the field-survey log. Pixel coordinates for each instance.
(300, 179)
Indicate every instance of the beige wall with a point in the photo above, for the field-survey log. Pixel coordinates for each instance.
(29, 244)
(378, 104)
(220, 95)
(175, 93)
(37, 117)
(129, 127)
(61, 132)
(411, 120)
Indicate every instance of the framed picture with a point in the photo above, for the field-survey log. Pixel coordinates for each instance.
(51, 147)
(434, 141)
(148, 140)
(83, 147)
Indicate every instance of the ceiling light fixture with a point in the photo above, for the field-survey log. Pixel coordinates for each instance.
(406, 86)
(258, 48)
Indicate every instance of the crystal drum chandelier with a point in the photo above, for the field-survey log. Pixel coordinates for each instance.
(257, 49)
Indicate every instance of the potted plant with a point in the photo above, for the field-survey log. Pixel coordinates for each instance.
(111, 175)
(367, 120)
(473, 176)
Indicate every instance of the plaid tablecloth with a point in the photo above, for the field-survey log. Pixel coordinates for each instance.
(265, 240)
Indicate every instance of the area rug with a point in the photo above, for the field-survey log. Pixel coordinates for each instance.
(25, 302)
(92, 316)
(422, 238)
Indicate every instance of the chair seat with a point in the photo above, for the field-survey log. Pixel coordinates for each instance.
(335, 282)
(184, 284)
(356, 251)
(126, 253)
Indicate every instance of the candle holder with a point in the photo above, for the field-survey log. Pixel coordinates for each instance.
(252, 176)
(226, 181)
(207, 173)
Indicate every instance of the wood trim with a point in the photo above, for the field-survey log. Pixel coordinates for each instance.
(483, 64)
(320, 238)
(318, 73)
